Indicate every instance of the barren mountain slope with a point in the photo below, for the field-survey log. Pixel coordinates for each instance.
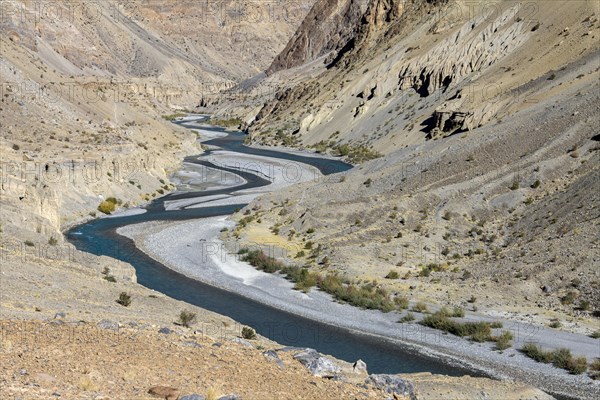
(418, 69)
(85, 90)
(490, 175)
(84, 86)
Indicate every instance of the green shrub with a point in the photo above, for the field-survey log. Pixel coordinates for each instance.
(569, 298)
(595, 334)
(365, 296)
(481, 332)
(577, 365)
(584, 305)
(29, 243)
(124, 299)
(258, 259)
(401, 302)
(107, 207)
(560, 358)
(458, 312)
(187, 318)
(555, 324)
(420, 307)
(504, 341)
(536, 353)
(409, 317)
(595, 369)
(248, 333)
(392, 275)
(478, 331)
(52, 241)
(110, 278)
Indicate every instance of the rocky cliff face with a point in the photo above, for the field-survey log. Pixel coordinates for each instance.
(470, 65)
(327, 28)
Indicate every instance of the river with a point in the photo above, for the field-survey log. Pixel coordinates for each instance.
(99, 237)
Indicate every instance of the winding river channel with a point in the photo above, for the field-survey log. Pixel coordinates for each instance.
(100, 237)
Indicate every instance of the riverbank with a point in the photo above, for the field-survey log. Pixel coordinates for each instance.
(194, 249)
(198, 253)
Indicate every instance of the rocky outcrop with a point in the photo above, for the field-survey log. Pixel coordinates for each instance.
(393, 385)
(476, 45)
(317, 364)
(328, 27)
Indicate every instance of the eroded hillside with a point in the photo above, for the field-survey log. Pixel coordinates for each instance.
(488, 187)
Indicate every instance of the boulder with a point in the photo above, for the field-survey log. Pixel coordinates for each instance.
(317, 364)
(360, 367)
(193, 397)
(393, 385)
(242, 342)
(229, 397)
(107, 324)
(271, 355)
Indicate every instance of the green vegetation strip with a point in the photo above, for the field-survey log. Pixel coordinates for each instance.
(560, 358)
(364, 296)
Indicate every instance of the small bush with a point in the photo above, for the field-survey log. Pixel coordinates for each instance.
(584, 305)
(420, 307)
(560, 358)
(16, 147)
(124, 299)
(187, 318)
(29, 243)
(258, 259)
(409, 317)
(458, 312)
(248, 333)
(472, 300)
(569, 298)
(576, 365)
(595, 334)
(52, 241)
(595, 369)
(478, 331)
(504, 341)
(392, 275)
(107, 207)
(555, 324)
(536, 353)
(110, 278)
(401, 302)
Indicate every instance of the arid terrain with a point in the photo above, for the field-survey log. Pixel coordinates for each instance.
(485, 134)
(473, 132)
